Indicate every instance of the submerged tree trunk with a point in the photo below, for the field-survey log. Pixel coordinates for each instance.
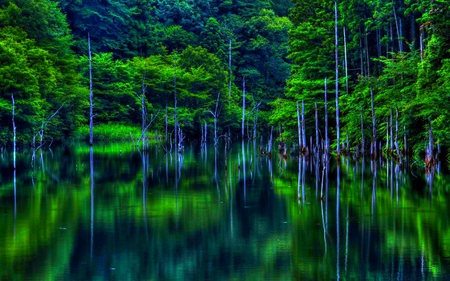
(336, 53)
(91, 96)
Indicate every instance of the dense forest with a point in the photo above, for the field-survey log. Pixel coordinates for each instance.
(157, 58)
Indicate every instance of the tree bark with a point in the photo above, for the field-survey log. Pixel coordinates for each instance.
(326, 119)
(14, 130)
(336, 53)
(317, 127)
(243, 107)
(346, 62)
(303, 126)
(91, 96)
(300, 144)
(374, 125)
(362, 131)
(175, 117)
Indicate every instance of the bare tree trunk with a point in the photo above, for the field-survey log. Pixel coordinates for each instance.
(166, 121)
(429, 158)
(243, 107)
(326, 119)
(367, 55)
(317, 128)
(399, 153)
(300, 144)
(270, 141)
(336, 53)
(255, 122)
(229, 71)
(303, 126)
(422, 28)
(374, 126)
(91, 96)
(14, 130)
(391, 123)
(399, 32)
(215, 114)
(361, 57)
(175, 117)
(362, 131)
(346, 62)
(143, 112)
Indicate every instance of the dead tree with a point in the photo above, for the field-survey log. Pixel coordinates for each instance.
(14, 131)
(374, 126)
(326, 119)
(142, 137)
(243, 107)
(91, 96)
(336, 53)
(40, 133)
(215, 114)
(300, 144)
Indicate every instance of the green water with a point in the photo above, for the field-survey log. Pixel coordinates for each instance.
(128, 215)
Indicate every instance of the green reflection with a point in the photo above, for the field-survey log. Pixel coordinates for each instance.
(147, 215)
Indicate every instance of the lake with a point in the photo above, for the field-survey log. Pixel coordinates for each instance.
(117, 213)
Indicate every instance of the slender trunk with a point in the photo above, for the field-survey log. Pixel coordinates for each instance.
(229, 70)
(300, 144)
(361, 57)
(206, 133)
(391, 123)
(243, 107)
(336, 53)
(317, 127)
(421, 41)
(144, 115)
(270, 141)
(346, 62)
(429, 160)
(91, 96)
(175, 117)
(362, 131)
(374, 125)
(255, 122)
(326, 118)
(367, 55)
(392, 36)
(399, 153)
(405, 143)
(14, 130)
(303, 125)
(400, 45)
(166, 121)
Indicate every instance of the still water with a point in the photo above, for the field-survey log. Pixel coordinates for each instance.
(116, 213)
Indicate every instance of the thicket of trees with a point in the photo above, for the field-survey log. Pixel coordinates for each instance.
(399, 49)
(44, 61)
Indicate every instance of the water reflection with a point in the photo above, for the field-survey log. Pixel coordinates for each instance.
(209, 215)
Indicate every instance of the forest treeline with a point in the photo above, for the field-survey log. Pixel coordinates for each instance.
(397, 50)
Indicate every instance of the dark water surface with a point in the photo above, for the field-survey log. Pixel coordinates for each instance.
(148, 216)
